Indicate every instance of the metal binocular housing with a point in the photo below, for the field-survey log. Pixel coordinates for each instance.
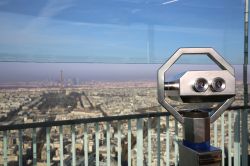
(198, 86)
(202, 86)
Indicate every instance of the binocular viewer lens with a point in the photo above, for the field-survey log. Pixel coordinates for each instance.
(201, 84)
(218, 84)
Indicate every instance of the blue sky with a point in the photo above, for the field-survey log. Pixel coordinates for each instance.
(118, 31)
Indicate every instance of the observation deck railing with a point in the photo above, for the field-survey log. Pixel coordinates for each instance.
(138, 139)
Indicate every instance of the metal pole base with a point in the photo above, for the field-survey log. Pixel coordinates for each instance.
(188, 156)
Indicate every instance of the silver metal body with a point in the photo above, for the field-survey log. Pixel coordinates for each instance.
(188, 89)
(196, 127)
(196, 130)
(185, 87)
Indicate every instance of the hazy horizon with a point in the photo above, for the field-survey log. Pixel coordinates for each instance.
(14, 72)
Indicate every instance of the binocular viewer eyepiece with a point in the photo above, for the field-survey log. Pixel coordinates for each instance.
(218, 84)
(201, 86)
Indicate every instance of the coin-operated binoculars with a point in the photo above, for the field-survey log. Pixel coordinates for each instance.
(198, 87)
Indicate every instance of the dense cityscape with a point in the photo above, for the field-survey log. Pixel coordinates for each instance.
(63, 102)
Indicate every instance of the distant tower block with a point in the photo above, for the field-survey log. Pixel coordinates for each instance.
(62, 80)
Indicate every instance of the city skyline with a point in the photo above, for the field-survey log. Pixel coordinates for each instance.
(15, 72)
(85, 140)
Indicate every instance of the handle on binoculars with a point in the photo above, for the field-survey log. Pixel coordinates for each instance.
(161, 97)
(171, 86)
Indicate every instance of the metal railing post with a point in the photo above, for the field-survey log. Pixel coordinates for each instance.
(149, 143)
(223, 139)
(108, 144)
(139, 142)
(158, 141)
(97, 143)
(176, 151)
(237, 139)
(129, 143)
(61, 145)
(34, 146)
(73, 146)
(119, 144)
(5, 148)
(215, 133)
(167, 142)
(48, 145)
(229, 138)
(86, 158)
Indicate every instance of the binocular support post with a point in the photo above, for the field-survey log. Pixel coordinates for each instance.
(195, 149)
